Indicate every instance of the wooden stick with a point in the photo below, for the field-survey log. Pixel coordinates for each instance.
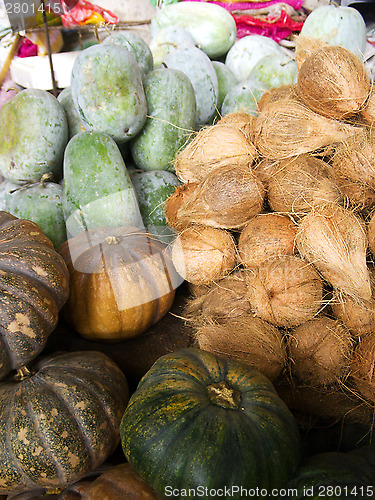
(8, 61)
(54, 85)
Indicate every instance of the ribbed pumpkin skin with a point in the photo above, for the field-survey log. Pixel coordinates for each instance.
(121, 282)
(34, 285)
(61, 423)
(334, 475)
(174, 435)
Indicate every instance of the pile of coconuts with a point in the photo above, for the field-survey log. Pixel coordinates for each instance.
(275, 223)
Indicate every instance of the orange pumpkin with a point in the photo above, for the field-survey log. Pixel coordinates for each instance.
(122, 281)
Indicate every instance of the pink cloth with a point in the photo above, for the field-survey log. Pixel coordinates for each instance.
(296, 4)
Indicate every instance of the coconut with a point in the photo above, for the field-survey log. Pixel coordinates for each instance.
(333, 82)
(371, 233)
(175, 201)
(264, 169)
(204, 254)
(212, 147)
(274, 94)
(248, 339)
(241, 120)
(368, 113)
(334, 239)
(320, 351)
(353, 168)
(264, 237)
(299, 184)
(228, 198)
(288, 128)
(225, 298)
(363, 367)
(357, 315)
(285, 291)
(306, 46)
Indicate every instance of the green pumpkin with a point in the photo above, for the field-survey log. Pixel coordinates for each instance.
(334, 475)
(34, 285)
(59, 421)
(199, 421)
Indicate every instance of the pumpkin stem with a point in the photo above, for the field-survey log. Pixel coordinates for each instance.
(112, 240)
(223, 395)
(22, 374)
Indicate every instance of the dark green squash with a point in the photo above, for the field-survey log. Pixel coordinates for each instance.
(199, 421)
(335, 475)
(34, 285)
(60, 421)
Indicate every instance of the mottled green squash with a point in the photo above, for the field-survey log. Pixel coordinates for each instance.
(153, 189)
(33, 135)
(75, 124)
(171, 110)
(97, 187)
(40, 202)
(133, 42)
(196, 419)
(107, 91)
(34, 285)
(59, 420)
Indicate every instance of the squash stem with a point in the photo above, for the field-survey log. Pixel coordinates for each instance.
(22, 374)
(223, 395)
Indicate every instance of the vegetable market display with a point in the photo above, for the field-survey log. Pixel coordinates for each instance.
(235, 166)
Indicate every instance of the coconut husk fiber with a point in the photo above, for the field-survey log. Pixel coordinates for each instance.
(285, 291)
(203, 254)
(227, 198)
(320, 351)
(357, 315)
(181, 194)
(223, 299)
(333, 82)
(306, 46)
(266, 236)
(248, 339)
(213, 147)
(353, 168)
(334, 239)
(300, 183)
(241, 120)
(288, 127)
(275, 94)
(363, 368)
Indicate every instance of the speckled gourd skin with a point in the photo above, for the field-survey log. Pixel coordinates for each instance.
(107, 91)
(34, 285)
(33, 135)
(60, 423)
(97, 187)
(171, 110)
(175, 435)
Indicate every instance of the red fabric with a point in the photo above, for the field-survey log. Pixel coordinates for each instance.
(275, 28)
(27, 48)
(83, 11)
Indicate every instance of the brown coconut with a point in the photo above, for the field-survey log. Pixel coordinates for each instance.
(333, 82)
(363, 367)
(274, 94)
(265, 169)
(299, 184)
(225, 298)
(203, 254)
(248, 339)
(285, 291)
(214, 146)
(241, 120)
(368, 113)
(288, 128)
(320, 351)
(266, 236)
(306, 46)
(371, 234)
(175, 201)
(334, 239)
(228, 198)
(353, 168)
(357, 315)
